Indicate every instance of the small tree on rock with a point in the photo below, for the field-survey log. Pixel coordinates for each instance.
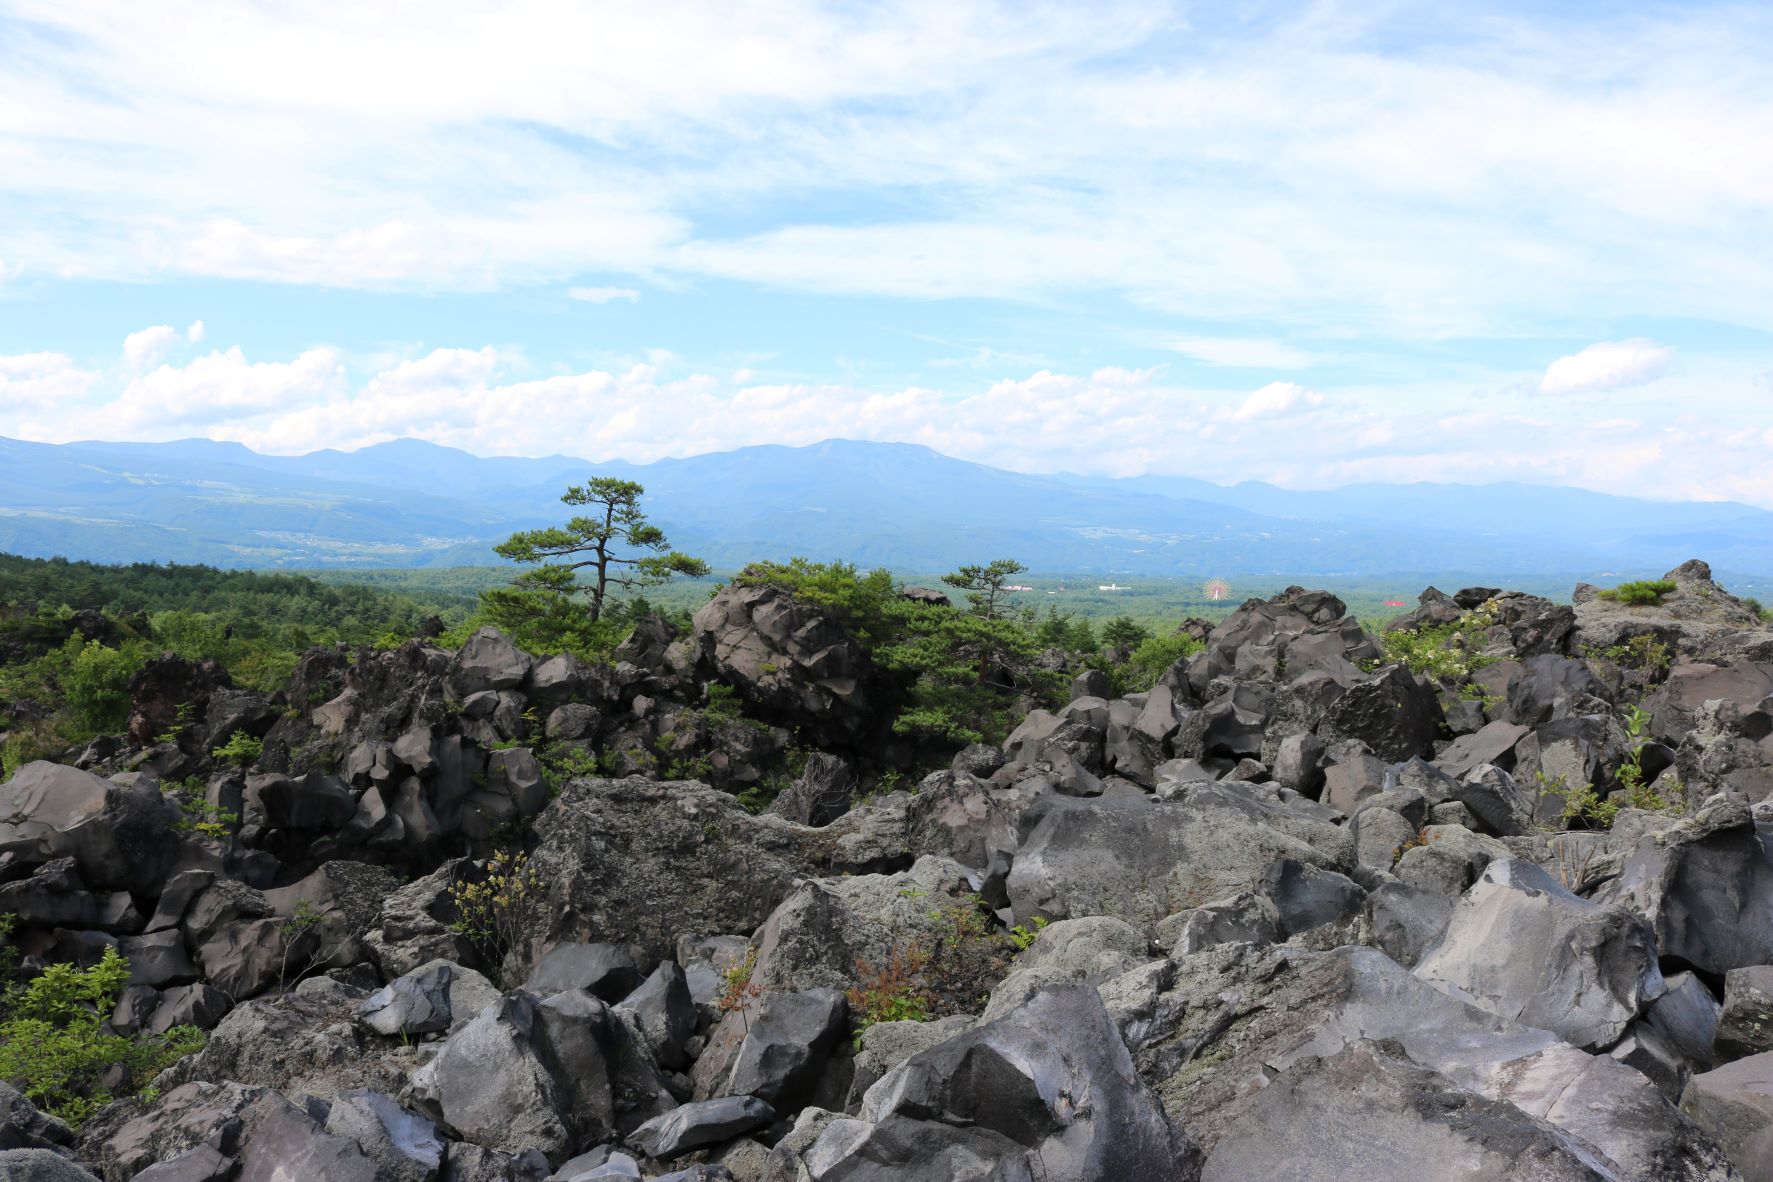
(985, 585)
(613, 543)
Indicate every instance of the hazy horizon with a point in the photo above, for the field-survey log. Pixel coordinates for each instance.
(1055, 472)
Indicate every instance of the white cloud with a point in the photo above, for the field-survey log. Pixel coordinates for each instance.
(602, 295)
(1243, 353)
(195, 333)
(1276, 399)
(36, 383)
(1113, 421)
(1609, 365)
(1314, 169)
(147, 347)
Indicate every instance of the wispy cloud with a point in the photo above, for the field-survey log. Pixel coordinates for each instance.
(1243, 353)
(602, 295)
(1318, 167)
(1609, 365)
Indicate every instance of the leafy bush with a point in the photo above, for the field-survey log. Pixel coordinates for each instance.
(241, 750)
(1641, 593)
(1124, 632)
(95, 681)
(495, 911)
(53, 1047)
(738, 992)
(1644, 653)
(868, 605)
(1151, 660)
(1023, 936)
(960, 673)
(195, 813)
(890, 992)
(1451, 652)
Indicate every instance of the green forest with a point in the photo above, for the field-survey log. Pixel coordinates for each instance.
(73, 634)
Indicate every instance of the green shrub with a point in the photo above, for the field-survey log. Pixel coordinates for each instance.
(1641, 593)
(1023, 936)
(891, 992)
(95, 682)
(1151, 660)
(868, 605)
(241, 750)
(54, 1049)
(1451, 652)
(1124, 632)
(496, 911)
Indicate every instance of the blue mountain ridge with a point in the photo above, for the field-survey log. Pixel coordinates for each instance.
(412, 503)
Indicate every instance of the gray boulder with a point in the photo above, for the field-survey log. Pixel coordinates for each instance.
(820, 932)
(1745, 1026)
(158, 959)
(1393, 712)
(1447, 859)
(39, 1165)
(787, 660)
(404, 1144)
(492, 1085)
(489, 661)
(1243, 918)
(776, 1051)
(1366, 1112)
(417, 1003)
(202, 1164)
(1520, 945)
(1491, 744)
(1734, 1103)
(280, 1141)
(1307, 897)
(1686, 1016)
(703, 1123)
(1089, 950)
(1353, 778)
(607, 970)
(1046, 1092)
(1406, 921)
(612, 855)
(1232, 1018)
(22, 1126)
(1140, 860)
(1706, 885)
(476, 1163)
(1298, 764)
(666, 1012)
(120, 837)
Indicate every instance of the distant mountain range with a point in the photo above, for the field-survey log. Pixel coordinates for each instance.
(410, 503)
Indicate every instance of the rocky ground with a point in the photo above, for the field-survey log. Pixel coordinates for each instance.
(1293, 914)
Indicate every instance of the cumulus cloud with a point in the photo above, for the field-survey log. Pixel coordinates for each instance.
(34, 383)
(1609, 365)
(195, 333)
(1113, 421)
(1275, 400)
(147, 347)
(602, 295)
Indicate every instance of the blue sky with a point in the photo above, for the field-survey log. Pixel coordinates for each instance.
(1313, 244)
